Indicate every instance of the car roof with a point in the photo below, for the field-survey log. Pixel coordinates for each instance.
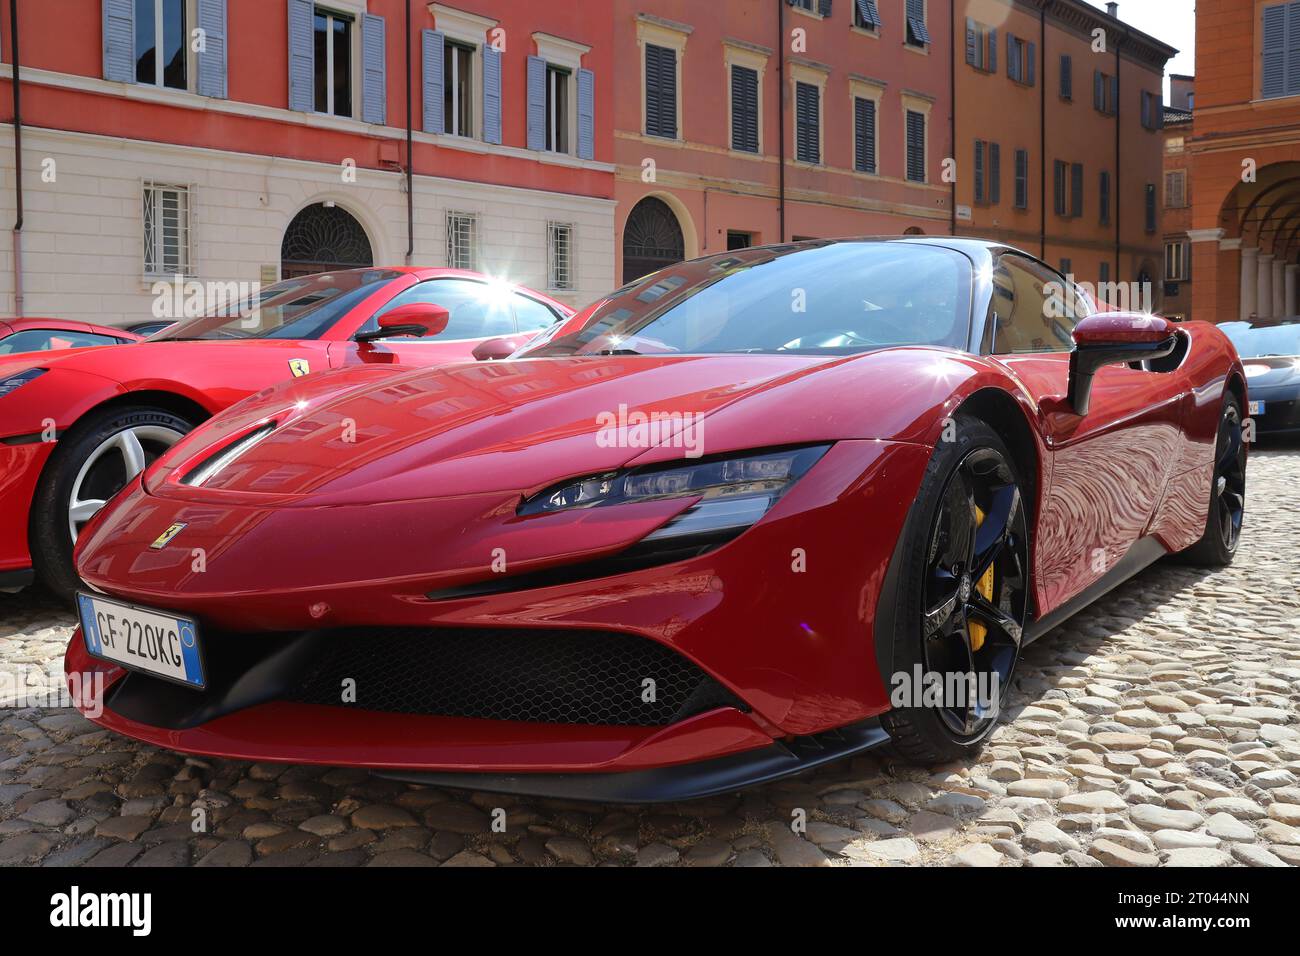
(424, 273)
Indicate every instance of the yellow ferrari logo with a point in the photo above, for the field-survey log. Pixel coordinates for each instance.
(299, 367)
(165, 538)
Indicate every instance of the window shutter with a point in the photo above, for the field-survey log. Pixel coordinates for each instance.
(1275, 49)
(119, 40)
(1013, 58)
(744, 109)
(1105, 197)
(211, 80)
(1151, 207)
(971, 44)
(864, 143)
(1114, 95)
(995, 173)
(586, 114)
(536, 103)
(993, 50)
(1031, 64)
(1022, 179)
(807, 123)
(432, 53)
(661, 91)
(916, 21)
(1099, 91)
(824, 7)
(1293, 48)
(492, 96)
(915, 147)
(1058, 187)
(1067, 77)
(1076, 190)
(374, 91)
(869, 13)
(1159, 101)
(979, 170)
(302, 57)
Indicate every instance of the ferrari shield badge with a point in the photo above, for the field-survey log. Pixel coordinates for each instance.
(299, 367)
(165, 538)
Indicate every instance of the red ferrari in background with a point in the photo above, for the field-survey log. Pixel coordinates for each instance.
(729, 526)
(51, 335)
(76, 425)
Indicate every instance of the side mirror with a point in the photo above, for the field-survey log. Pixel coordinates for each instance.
(493, 350)
(414, 318)
(1114, 338)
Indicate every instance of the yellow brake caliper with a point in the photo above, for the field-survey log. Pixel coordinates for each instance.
(984, 585)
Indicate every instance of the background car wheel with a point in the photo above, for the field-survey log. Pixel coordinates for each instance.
(963, 595)
(93, 461)
(1227, 493)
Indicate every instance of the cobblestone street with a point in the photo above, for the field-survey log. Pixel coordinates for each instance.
(1159, 727)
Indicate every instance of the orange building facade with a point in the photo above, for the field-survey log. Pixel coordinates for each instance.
(1245, 160)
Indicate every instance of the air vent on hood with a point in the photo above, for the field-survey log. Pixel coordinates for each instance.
(216, 462)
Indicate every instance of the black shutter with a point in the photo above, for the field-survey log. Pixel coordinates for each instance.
(744, 109)
(1105, 197)
(995, 173)
(1058, 187)
(1114, 95)
(979, 171)
(1067, 77)
(807, 123)
(1022, 179)
(1099, 91)
(915, 146)
(660, 91)
(1076, 190)
(864, 135)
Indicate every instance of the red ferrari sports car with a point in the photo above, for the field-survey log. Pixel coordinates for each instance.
(51, 335)
(736, 523)
(75, 425)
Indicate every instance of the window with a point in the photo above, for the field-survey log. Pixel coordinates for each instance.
(1281, 52)
(739, 240)
(660, 91)
(1104, 192)
(802, 4)
(476, 309)
(557, 109)
(166, 230)
(744, 109)
(917, 34)
(981, 46)
(866, 15)
(160, 43)
(1067, 77)
(1153, 109)
(51, 340)
(1076, 190)
(462, 240)
(530, 314)
(559, 255)
(864, 134)
(1105, 93)
(1023, 315)
(1022, 179)
(1022, 57)
(1151, 207)
(1176, 261)
(1059, 171)
(1176, 189)
(915, 146)
(457, 88)
(333, 63)
(1191, 101)
(807, 129)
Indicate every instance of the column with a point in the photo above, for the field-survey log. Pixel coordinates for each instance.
(1264, 300)
(1249, 281)
(1288, 299)
(1279, 288)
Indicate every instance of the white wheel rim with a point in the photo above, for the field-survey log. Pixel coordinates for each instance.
(128, 444)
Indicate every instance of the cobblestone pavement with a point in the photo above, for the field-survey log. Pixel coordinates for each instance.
(1161, 726)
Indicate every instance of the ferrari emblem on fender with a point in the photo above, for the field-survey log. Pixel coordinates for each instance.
(299, 367)
(165, 538)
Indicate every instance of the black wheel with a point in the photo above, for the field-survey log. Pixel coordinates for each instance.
(93, 461)
(963, 597)
(1218, 544)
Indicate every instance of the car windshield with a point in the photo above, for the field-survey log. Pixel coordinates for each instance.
(1260, 339)
(303, 308)
(813, 298)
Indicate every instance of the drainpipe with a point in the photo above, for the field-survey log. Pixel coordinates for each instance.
(952, 109)
(1042, 130)
(1119, 126)
(18, 162)
(780, 112)
(410, 154)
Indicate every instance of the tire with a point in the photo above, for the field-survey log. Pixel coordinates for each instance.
(92, 460)
(1218, 543)
(970, 483)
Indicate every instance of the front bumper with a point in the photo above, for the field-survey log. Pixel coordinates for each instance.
(782, 619)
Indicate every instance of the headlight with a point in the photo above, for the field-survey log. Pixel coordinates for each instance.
(734, 492)
(14, 382)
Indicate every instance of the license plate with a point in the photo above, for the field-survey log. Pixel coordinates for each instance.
(1256, 408)
(138, 638)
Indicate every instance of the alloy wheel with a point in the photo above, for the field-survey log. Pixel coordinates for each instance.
(1230, 477)
(113, 463)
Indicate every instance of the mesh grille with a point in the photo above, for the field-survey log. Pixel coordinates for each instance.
(543, 676)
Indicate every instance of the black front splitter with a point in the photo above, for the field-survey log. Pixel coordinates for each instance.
(689, 781)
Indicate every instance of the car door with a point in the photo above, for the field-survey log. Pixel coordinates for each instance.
(1108, 469)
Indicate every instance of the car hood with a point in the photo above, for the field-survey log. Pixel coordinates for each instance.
(1273, 372)
(368, 435)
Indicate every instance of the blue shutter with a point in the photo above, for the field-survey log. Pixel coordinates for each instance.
(586, 114)
(432, 50)
(536, 103)
(119, 40)
(1114, 95)
(995, 173)
(212, 61)
(1275, 52)
(915, 11)
(871, 14)
(992, 66)
(1013, 57)
(374, 89)
(979, 171)
(302, 57)
(492, 95)
(1031, 58)
(824, 7)
(1293, 49)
